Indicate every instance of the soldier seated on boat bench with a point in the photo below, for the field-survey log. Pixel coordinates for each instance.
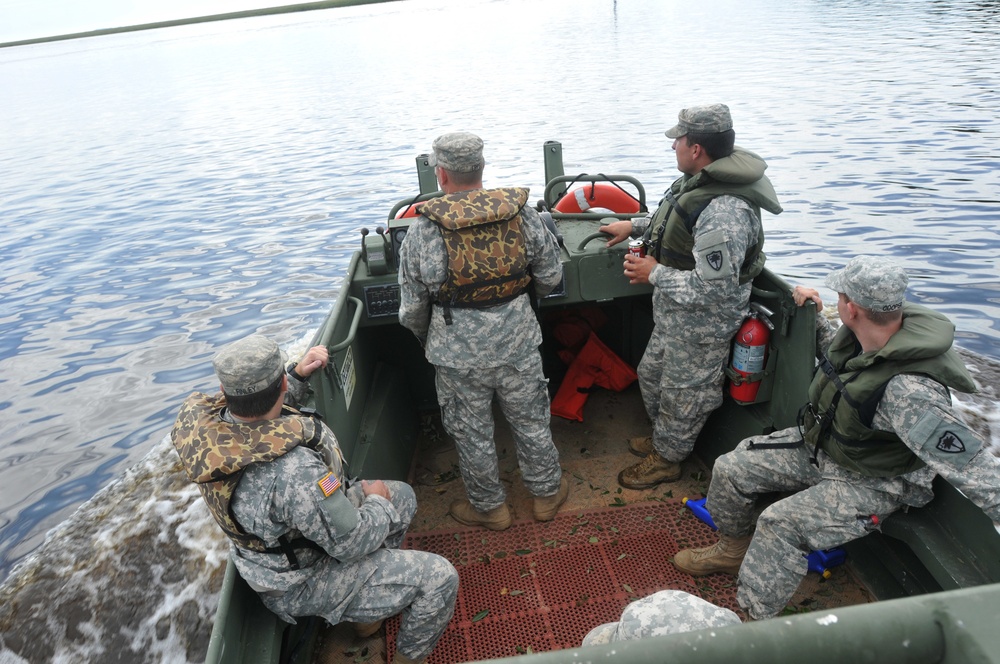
(310, 542)
(878, 426)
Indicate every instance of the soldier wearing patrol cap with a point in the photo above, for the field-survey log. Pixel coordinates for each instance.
(659, 614)
(465, 268)
(308, 541)
(704, 245)
(878, 427)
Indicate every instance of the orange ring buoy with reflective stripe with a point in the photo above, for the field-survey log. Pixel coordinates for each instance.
(597, 195)
(408, 211)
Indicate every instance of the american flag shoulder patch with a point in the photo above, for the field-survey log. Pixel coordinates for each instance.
(328, 484)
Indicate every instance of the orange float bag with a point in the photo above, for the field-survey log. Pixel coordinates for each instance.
(596, 364)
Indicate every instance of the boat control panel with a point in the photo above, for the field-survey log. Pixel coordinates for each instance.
(382, 300)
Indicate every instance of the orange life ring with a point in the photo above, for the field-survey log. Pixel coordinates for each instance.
(597, 195)
(408, 211)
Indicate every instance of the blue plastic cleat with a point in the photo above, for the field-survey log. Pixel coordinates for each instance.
(698, 507)
(821, 561)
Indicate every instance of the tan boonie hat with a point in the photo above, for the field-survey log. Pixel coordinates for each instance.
(249, 365)
(711, 119)
(460, 152)
(872, 282)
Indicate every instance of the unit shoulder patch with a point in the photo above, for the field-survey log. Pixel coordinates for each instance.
(945, 439)
(714, 256)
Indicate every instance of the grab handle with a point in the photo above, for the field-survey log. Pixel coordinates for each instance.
(354, 326)
(593, 236)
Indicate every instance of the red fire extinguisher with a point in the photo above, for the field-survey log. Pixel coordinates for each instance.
(750, 353)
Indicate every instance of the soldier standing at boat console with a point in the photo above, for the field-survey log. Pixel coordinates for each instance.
(309, 543)
(878, 426)
(704, 245)
(465, 268)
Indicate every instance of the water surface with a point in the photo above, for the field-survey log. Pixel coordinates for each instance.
(166, 192)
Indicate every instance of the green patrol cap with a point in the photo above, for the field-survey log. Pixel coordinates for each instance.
(249, 365)
(459, 152)
(873, 282)
(712, 119)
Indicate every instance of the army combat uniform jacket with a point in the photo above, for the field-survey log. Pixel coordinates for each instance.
(477, 337)
(280, 501)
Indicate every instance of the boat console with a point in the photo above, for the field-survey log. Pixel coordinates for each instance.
(592, 271)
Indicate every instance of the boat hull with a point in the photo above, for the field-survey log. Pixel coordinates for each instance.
(940, 565)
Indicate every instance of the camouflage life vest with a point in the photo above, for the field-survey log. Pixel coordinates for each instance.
(487, 259)
(215, 453)
(670, 236)
(848, 386)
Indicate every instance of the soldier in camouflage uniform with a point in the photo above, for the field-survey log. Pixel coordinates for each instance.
(703, 248)
(659, 614)
(308, 541)
(465, 267)
(879, 426)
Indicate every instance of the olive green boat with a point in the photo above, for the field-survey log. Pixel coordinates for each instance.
(933, 574)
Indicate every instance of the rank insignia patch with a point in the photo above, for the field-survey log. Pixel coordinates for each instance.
(329, 484)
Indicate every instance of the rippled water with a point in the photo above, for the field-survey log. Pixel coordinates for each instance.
(166, 192)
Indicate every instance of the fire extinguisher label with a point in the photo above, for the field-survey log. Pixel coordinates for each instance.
(748, 359)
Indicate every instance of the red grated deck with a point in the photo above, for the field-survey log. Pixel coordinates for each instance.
(543, 586)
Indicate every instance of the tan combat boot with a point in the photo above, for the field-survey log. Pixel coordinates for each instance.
(649, 472)
(364, 630)
(546, 507)
(641, 447)
(497, 518)
(726, 555)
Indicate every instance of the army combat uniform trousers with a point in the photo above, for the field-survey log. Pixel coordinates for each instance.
(823, 514)
(681, 384)
(466, 399)
(421, 585)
